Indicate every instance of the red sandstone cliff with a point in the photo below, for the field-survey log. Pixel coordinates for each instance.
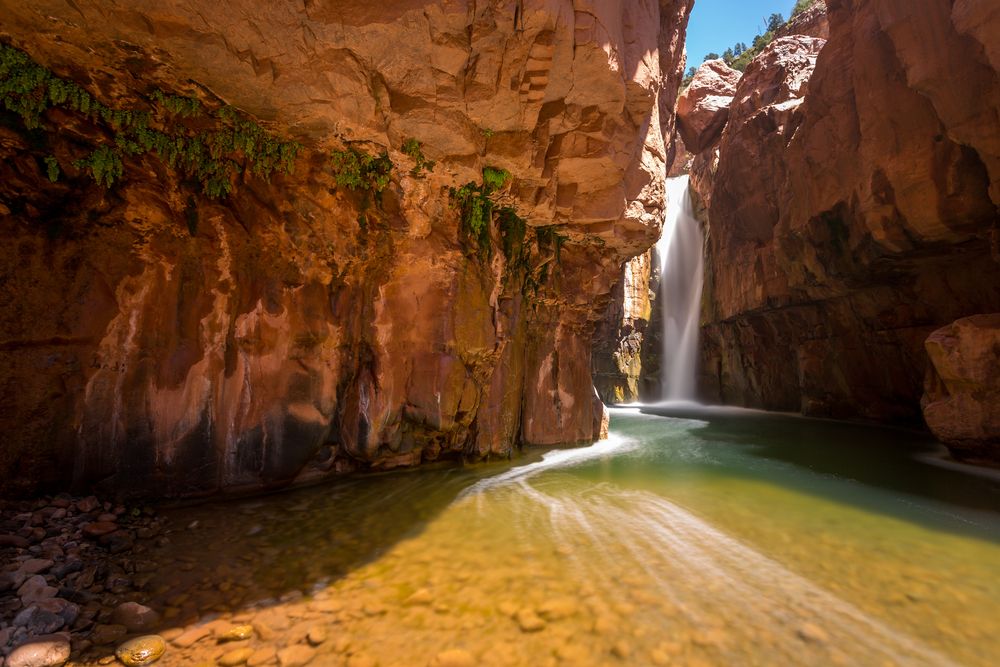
(157, 340)
(811, 22)
(850, 205)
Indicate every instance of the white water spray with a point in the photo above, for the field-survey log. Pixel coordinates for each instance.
(681, 266)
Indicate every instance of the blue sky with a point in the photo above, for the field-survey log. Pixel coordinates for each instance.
(718, 24)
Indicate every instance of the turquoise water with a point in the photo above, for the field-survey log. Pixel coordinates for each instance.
(706, 537)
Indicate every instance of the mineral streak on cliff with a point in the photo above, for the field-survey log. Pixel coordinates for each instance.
(160, 340)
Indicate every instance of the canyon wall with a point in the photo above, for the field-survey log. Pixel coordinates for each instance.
(625, 355)
(156, 340)
(851, 209)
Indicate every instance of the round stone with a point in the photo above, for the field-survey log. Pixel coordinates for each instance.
(295, 656)
(529, 621)
(455, 657)
(135, 617)
(140, 651)
(420, 597)
(235, 657)
(99, 528)
(40, 653)
(237, 633)
(812, 633)
(317, 635)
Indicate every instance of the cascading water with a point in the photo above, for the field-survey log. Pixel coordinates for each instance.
(681, 264)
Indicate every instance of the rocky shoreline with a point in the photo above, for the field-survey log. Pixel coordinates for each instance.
(87, 582)
(72, 578)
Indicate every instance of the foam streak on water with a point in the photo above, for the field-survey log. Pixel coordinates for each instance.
(560, 458)
(742, 604)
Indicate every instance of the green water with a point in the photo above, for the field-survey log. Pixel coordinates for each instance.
(708, 537)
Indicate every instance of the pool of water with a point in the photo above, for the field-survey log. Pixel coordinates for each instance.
(694, 536)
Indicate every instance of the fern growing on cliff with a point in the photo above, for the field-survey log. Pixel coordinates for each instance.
(212, 149)
(104, 164)
(357, 170)
(478, 210)
(412, 148)
(51, 168)
(476, 206)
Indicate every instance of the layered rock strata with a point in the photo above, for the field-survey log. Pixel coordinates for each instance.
(850, 209)
(157, 340)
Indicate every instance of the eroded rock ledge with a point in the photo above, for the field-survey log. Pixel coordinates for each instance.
(158, 341)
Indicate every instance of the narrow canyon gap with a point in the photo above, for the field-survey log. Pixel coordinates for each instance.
(847, 184)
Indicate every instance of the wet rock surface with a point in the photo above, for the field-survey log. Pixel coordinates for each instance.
(141, 651)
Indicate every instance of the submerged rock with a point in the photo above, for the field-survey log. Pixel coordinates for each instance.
(317, 635)
(135, 617)
(295, 656)
(237, 633)
(529, 621)
(40, 652)
(810, 632)
(141, 651)
(191, 636)
(235, 657)
(454, 657)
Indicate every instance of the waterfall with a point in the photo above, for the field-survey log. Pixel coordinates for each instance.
(681, 263)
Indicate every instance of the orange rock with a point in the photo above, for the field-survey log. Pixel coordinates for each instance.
(703, 107)
(849, 209)
(163, 342)
(962, 392)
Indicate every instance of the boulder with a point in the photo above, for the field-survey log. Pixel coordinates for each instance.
(703, 107)
(962, 393)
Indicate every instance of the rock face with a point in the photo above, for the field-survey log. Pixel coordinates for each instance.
(962, 391)
(621, 335)
(158, 341)
(850, 207)
(703, 107)
(811, 22)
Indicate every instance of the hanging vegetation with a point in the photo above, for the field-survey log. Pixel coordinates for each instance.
(213, 157)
